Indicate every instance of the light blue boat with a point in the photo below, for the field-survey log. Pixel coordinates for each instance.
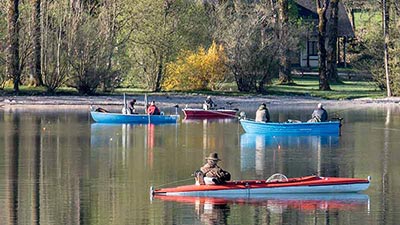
(302, 128)
(102, 117)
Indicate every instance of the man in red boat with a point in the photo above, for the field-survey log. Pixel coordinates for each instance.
(152, 109)
(211, 173)
(209, 103)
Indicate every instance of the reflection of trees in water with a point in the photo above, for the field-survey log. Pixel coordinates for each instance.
(266, 209)
(43, 169)
(214, 213)
(11, 129)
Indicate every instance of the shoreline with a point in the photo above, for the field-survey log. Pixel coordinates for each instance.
(182, 100)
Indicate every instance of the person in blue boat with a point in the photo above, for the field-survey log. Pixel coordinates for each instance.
(262, 113)
(209, 103)
(319, 114)
(153, 109)
(211, 173)
(131, 106)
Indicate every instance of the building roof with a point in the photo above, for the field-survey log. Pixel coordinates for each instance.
(345, 29)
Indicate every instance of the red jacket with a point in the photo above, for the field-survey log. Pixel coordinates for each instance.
(153, 110)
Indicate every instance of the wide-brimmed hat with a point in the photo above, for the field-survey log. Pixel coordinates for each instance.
(213, 156)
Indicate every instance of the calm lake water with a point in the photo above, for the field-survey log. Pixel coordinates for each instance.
(59, 167)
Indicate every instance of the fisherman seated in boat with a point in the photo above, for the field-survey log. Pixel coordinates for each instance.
(101, 110)
(319, 114)
(262, 113)
(209, 103)
(131, 106)
(153, 109)
(211, 173)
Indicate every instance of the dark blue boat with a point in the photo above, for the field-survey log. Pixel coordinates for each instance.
(302, 128)
(102, 117)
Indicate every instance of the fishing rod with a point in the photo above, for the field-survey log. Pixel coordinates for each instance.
(174, 182)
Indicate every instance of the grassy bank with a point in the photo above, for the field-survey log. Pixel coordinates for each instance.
(305, 86)
(308, 86)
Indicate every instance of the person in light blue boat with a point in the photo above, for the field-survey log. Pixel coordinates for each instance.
(262, 114)
(319, 114)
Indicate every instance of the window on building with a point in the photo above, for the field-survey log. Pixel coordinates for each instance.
(313, 48)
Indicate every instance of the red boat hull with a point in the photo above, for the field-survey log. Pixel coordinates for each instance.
(309, 184)
(209, 114)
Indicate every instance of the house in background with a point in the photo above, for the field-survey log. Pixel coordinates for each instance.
(308, 56)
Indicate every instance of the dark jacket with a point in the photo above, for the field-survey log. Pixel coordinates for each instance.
(220, 175)
(320, 115)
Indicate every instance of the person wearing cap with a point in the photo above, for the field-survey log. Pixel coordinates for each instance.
(319, 114)
(211, 173)
(262, 114)
(153, 109)
(209, 103)
(131, 106)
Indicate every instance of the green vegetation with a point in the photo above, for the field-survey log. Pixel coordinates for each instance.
(100, 47)
(344, 90)
(305, 86)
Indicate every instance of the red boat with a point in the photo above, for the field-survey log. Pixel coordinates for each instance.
(209, 114)
(276, 184)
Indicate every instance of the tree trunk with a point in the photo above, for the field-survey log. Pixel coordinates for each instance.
(385, 14)
(159, 74)
(322, 6)
(36, 35)
(284, 67)
(13, 70)
(332, 72)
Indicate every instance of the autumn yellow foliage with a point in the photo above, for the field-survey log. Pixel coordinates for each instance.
(201, 70)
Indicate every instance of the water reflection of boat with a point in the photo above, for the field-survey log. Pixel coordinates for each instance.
(279, 202)
(302, 128)
(255, 147)
(125, 134)
(101, 117)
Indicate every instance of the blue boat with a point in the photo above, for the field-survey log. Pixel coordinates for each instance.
(302, 128)
(106, 117)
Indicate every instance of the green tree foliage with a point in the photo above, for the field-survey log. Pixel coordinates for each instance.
(367, 51)
(94, 38)
(3, 34)
(163, 27)
(394, 61)
(249, 39)
(197, 70)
